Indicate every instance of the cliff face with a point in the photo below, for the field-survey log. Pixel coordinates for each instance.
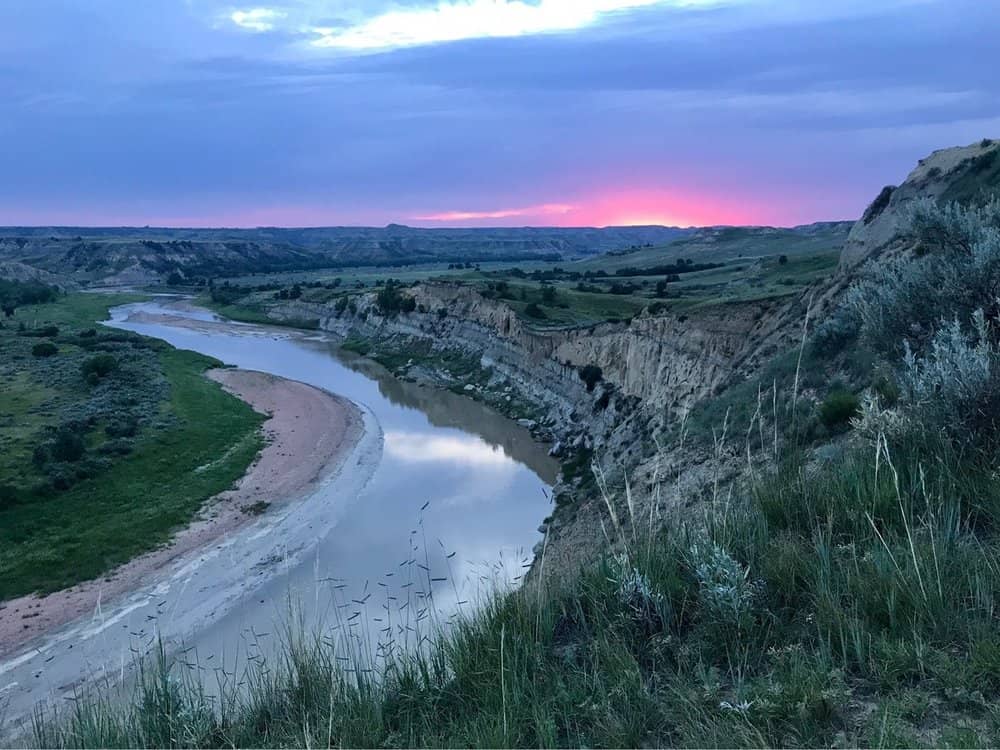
(665, 363)
(654, 368)
(963, 174)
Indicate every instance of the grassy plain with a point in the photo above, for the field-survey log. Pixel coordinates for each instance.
(756, 264)
(158, 439)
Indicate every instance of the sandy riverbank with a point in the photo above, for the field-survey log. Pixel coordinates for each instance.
(310, 433)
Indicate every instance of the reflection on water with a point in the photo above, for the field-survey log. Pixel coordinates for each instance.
(446, 409)
(457, 497)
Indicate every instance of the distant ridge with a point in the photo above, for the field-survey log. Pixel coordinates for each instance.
(126, 255)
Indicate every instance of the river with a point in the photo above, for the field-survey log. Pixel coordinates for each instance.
(446, 510)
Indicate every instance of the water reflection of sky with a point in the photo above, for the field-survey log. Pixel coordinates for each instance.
(453, 493)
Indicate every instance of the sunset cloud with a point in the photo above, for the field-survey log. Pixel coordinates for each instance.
(541, 112)
(545, 210)
(476, 19)
(257, 19)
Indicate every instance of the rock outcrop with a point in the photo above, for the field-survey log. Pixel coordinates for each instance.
(964, 174)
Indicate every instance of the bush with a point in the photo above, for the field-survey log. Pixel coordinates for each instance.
(9, 496)
(534, 311)
(954, 389)
(125, 427)
(117, 447)
(902, 302)
(44, 349)
(68, 445)
(591, 375)
(390, 301)
(933, 318)
(838, 409)
(99, 366)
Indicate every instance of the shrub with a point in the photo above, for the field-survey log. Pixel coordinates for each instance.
(44, 349)
(117, 447)
(40, 456)
(833, 335)
(954, 389)
(591, 375)
(838, 409)
(534, 311)
(68, 445)
(99, 365)
(390, 301)
(9, 496)
(43, 332)
(125, 427)
(906, 299)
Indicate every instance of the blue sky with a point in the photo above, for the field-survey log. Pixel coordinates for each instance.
(480, 112)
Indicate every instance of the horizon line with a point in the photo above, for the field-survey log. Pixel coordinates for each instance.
(217, 228)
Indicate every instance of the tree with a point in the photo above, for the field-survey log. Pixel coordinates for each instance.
(534, 311)
(99, 365)
(782, 260)
(591, 375)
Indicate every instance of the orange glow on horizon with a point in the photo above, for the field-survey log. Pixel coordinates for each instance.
(627, 207)
(668, 208)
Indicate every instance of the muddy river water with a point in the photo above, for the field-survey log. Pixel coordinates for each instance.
(440, 502)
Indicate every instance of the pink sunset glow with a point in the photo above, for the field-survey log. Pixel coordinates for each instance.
(627, 206)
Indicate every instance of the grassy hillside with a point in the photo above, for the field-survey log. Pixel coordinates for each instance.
(101, 433)
(850, 606)
(724, 244)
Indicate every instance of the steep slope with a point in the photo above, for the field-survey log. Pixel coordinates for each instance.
(965, 174)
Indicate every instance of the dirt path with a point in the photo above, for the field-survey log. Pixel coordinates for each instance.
(309, 433)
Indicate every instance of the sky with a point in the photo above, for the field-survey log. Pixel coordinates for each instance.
(480, 112)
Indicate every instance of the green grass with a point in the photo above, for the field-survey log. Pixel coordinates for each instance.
(849, 605)
(752, 273)
(728, 245)
(572, 307)
(370, 276)
(254, 310)
(196, 444)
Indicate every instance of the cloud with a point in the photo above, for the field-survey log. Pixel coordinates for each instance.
(547, 209)
(453, 20)
(257, 19)
(415, 447)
